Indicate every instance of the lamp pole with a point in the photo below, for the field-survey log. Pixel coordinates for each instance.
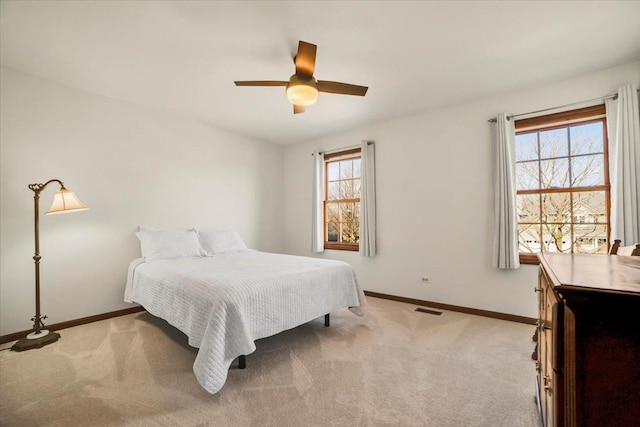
(38, 323)
(40, 337)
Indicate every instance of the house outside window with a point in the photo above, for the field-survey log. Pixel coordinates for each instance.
(562, 181)
(342, 200)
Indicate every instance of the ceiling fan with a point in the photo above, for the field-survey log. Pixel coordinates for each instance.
(302, 88)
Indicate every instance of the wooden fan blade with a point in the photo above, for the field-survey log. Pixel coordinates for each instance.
(306, 59)
(297, 109)
(341, 88)
(261, 83)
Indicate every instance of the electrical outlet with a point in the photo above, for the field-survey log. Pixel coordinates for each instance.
(426, 280)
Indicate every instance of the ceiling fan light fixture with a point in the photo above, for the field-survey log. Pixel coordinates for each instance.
(302, 92)
(302, 88)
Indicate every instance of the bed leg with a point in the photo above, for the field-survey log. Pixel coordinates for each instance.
(326, 320)
(242, 361)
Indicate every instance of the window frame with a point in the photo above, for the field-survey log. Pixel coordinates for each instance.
(350, 154)
(593, 114)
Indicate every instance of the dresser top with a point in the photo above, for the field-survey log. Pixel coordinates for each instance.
(595, 273)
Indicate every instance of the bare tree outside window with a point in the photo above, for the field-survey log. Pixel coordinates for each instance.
(342, 201)
(563, 187)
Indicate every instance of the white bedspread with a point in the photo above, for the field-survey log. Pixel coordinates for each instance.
(225, 302)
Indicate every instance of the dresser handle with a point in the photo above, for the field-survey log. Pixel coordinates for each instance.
(537, 290)
(547, 383)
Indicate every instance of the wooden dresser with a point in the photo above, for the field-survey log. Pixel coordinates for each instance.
(589, 340)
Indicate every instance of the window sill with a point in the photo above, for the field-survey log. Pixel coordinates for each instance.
(342, 246)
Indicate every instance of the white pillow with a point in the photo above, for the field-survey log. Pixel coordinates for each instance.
(169, 244)
(218, 241)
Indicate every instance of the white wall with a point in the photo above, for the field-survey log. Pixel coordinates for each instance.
(435, 198)
(131, 166)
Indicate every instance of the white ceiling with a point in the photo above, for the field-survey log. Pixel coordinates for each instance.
(183, 56)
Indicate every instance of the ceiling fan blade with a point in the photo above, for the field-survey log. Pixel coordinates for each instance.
(297, 109)
(306, 59)
(341, 88)
(261, 83)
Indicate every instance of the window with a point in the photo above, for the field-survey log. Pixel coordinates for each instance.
(342, 200)
(562, 181)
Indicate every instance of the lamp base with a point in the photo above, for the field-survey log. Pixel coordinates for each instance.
(38, 340)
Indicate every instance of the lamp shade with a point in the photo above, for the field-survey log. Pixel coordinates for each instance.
(302, 92)
(65, 201)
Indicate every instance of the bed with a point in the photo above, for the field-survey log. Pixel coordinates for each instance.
(225, 301)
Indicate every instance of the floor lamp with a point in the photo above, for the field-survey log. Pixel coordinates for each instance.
(63, 201)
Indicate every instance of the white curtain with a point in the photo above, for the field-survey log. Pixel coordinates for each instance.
(623, 122)
(317, 214)
(368, 200)
(505, 242)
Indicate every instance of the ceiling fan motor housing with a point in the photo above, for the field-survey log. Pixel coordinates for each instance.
(302, 91)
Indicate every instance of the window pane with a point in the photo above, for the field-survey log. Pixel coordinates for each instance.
(347, 211)
(333, 231)
(356, 222)
(553, 143)
(556, 238)
(527, 146)
(333, 171)
(334, 190)
(356, 168)
(333, 212)
(589, 207)
(527, 176)
(350, 222)
(346, 169)
(587, 170)
(349, 233)
(529, 238)
(556, 207)
(586, 139)
(590, 239)
(356, 188)
(346, 189)
(554, 173)
(528, 207)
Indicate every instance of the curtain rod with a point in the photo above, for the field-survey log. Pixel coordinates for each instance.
(601, 98)
(343, 149)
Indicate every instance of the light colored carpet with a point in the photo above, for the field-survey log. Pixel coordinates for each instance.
(394, 367)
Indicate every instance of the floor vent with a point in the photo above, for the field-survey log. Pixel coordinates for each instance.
(425, 310)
